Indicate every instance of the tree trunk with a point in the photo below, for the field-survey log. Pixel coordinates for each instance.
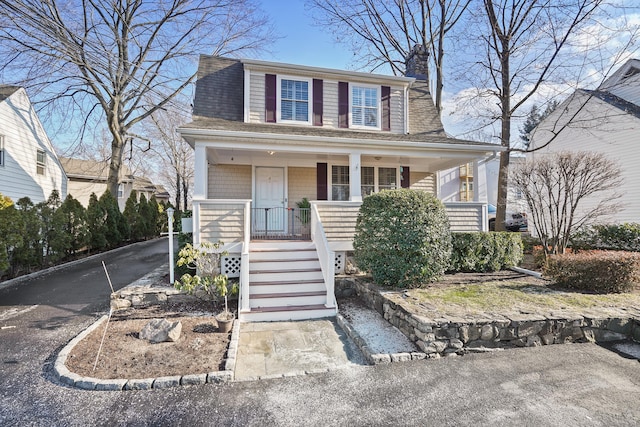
(178, 187)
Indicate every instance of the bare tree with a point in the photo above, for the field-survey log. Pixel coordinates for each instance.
(565, 191)
(390, 29)
(172, 153)
(120, 59)
(523, 46)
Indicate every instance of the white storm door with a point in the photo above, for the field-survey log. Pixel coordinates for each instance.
(269, 213)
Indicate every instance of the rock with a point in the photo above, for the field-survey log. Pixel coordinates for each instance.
(120, 304)
(161, 330)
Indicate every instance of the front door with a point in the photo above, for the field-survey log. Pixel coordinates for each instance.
(270, 202)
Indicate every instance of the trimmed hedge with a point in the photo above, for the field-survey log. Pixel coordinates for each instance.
(596, 271)
(482, 252)
(402, 238)
(619, 237)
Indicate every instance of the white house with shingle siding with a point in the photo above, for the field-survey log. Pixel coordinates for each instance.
(268, 135)
(606, 120)
(29, 166)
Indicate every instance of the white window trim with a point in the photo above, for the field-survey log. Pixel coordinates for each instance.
(378, 102)
(42, 164)
(309, 81)
(376, 176)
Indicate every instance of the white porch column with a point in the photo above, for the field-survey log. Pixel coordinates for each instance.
(355, 187)
(201, 173)
(480, 181)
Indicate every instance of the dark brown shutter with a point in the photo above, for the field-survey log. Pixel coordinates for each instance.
(404, 177)
(321, 181)
(343, 104)
(270, 98)
(317, 102)
(385, 92)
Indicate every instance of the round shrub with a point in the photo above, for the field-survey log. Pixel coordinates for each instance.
(402, 238)
(483, 252)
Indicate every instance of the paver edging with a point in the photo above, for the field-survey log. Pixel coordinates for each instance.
(65, 376)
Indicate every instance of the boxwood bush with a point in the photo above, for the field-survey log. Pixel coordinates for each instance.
(482, 252)
(402, 238)
(596, 271)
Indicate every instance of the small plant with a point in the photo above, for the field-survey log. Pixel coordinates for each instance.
(205, 261)
(305, 212)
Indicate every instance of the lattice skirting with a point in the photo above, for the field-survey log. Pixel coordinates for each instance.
(341, 259)
(231, 265)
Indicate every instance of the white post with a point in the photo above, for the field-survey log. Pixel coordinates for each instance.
(355, 189)
(170, 218)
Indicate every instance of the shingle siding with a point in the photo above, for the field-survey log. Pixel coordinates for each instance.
(229, 182)
(219, 89)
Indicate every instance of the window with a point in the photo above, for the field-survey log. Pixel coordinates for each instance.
(1, 150)
(387, 179)
(294, 100)
(340, 183)
(466, 189)
(367, 180)
(41, 162)
(365, 107)
(120, 191)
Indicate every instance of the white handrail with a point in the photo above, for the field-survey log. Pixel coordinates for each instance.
(326, 256)
(244, 262)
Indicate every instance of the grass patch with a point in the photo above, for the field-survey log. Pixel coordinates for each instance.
(513, 296)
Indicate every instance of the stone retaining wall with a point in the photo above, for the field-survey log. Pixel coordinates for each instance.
(449, 335)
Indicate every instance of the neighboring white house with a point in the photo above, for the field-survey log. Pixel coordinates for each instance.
(90, 176)
(266, 135)
(29, 166)
(605, 120)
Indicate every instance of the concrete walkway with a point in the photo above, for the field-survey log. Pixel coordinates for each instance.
(281, 349)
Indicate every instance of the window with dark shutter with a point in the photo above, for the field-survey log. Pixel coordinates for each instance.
(385, 93)
(321, 181)
(405, 177)
(343, 104)
(317, 102)
(270, 98)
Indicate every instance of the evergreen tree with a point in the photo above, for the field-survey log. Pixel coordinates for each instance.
(534, 117)
(29, 255)
(154, 210)
(113, 220)
(11, 231)
(52, 235)
(146, 217)
(96, 217)
(74, 217)
(132, 215)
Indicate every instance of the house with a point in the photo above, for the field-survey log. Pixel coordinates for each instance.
(266, 135)
(90, 176)
(29, 166)
(605, 120)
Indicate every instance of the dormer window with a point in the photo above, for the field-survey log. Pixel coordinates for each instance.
(294, 100)
(365, 106)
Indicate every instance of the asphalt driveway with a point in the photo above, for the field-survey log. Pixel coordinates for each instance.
(571, 385)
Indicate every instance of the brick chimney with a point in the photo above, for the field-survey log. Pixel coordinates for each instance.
(417, 63)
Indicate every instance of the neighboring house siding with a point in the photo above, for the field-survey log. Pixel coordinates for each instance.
(464, 218)
(223, 223)
(229, 182)
(302, 183)
(81, 190)
(602, 128)
(422, 181)
(24, 136)
(397, 110)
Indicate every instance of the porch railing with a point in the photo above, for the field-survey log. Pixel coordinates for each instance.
(326, 256)
(281, 223)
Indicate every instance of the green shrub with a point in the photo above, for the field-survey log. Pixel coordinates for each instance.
(595, 271)
(402, 238)
(617, 237)
(482, 252)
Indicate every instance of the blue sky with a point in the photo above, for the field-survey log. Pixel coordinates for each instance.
(302, 42)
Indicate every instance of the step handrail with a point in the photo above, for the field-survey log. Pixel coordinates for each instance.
(326, 256)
